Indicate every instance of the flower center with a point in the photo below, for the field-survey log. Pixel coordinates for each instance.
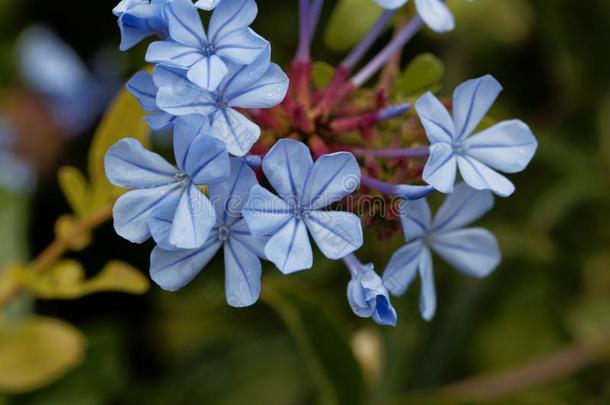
(208, 50)
(221, 102)
(459, 148)
(223, 233)
(180, 176)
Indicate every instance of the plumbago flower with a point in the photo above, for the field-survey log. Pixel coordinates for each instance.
(205, 56)
(434, 13)
(472, 251)
(304, 188)
(207, 4)
(367, 295)
(139, 19)
(173, 269)
(159, 187)
(260, 84)
(508, 146)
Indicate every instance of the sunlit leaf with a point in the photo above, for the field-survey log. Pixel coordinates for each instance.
(322, 74)
(349, 22)
(423, 74)
(325, 346)
(64, 229)
(37, 352)
(75, 188)
(66, 280)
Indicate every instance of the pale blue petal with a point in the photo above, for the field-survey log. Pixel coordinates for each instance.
(427, 297)
(144, 89)
(415, 218)
(286, 167)
(473, 251)
(132, 211)
(435, 14)
(129, 165)
(207, 161)
(508, 146)
(185, 23)
(441, 168)
(336, 233)
(231, 16)
(236, 131)
(265, 213)
(243, 76)
(331, 178)
(391, 4)
(160, 121)
(161, 219)
(481, 177)
(462, 207)
(241, 232)
(435, 118)
(193, 220)
(242, 274)
(207, 4)
(166, 76)
(289, 249)
(357, 299)
(187, 128)
(172, 54)
(402, 268)
(174, 270)
(184, 100)
(241, 46)
(230, 196)
(266, 92)
(471, 101)
(208, 72)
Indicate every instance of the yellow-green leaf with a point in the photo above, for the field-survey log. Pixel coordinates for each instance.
(64, 229)
(66, 280)
(321, 74)
(37, 352)
(75, 188)
(124, 119)
(350, 21)
(423, 74)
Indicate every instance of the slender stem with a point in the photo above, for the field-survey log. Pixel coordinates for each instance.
(422, 151)
(399, 41)
(403, 191)
(309, 17)
(568, 360)
(353, 264)
(368, 41)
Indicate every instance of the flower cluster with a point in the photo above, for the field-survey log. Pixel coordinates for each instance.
(242, 127)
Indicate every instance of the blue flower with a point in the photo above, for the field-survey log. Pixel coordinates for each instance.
(207, 4)
(367, 295)
(434, 13)
(16, 175)
(260, 84)
(139, 19)
(304, 188)
(159, 187)
(507, 147)
(472, 251)
(229, 39)
(174, 269)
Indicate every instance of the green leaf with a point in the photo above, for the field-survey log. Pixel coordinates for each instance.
(324, 345)
(350, 21)
(123, 119)
(75, 188)
(322, 74)
(37, 352)
(423, 74)
(13, 234)
(66, 280)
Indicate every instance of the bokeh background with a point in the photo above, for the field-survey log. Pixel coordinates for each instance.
(535, 332)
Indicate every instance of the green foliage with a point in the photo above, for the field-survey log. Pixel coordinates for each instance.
(423, 74)
(322, 74)
(350, 21)
(37, 351)
(324, 345)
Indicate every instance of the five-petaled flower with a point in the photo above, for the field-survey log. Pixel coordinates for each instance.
(139, 19)
(434, 13)
(173, 269)
(261, 84)
(205, 56)
(472, 251)
(304, 188)
(367, 295)
(507, 147)
(157, 186)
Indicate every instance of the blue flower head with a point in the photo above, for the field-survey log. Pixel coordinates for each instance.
(139, 19)
(205, 56)
(173, 269)
(367, 295)
(159, 187)
(434, 13)
(304, 189)
(260, 84)
(472, 251)
(506, 147)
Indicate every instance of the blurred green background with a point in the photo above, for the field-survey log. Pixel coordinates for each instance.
(543, 316)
